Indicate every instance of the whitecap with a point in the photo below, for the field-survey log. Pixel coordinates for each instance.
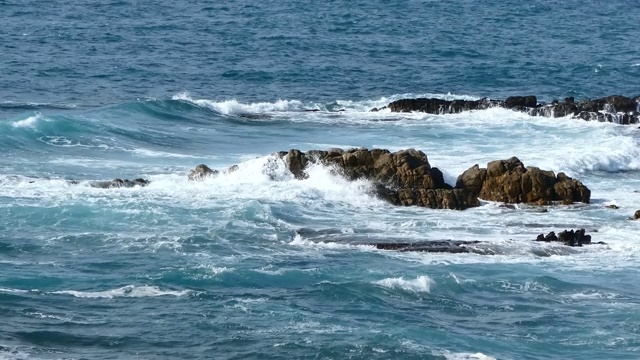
(467, 356)
(422, 283)
(125, 291)
(29, 122)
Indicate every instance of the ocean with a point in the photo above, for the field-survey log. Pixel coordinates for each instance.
(256, 264)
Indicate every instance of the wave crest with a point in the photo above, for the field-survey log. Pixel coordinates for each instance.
(422, 283)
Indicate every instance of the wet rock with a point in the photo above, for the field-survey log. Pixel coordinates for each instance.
(440, 106)
(446, 246)
(401, 178)
(616, 108)
(509, 181)
(613, 206)
(568, 237)
(120, 183)
(201, 172)
(636, 215)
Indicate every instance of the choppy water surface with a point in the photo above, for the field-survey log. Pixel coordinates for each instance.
(256, 264)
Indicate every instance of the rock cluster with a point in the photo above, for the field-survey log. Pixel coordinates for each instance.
(509, 181)
(616, 108)
(569, 238)
(119, 183)
(406, 178)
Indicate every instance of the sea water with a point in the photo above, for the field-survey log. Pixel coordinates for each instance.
(256, 264)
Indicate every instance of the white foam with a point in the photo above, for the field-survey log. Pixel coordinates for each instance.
(230, 107)
(29, 122)
(125, 291)
(305, 243)
(7, 353)
(162, 154)
(14, 291)
(467, 356)
(422, 283)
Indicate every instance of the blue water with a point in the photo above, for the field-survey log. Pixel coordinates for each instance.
(256, 264)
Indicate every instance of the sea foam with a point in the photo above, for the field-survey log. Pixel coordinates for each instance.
(422, 283)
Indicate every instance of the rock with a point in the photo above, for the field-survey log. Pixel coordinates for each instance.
(613, 206)
(568, 237)
(120, 183)
(401, 178)
(406, 178)
(440, 106)
(636, 215)
(509, 181)
(201, 172)
(616, 108)
(446, 246)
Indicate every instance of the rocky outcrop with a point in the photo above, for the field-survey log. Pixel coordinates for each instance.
(201, 172)
(616, 108)
(119, 183)
(568, 237)
(444, 246)
(509, 181)
(636, 215)
(406, 178)
(401, 178)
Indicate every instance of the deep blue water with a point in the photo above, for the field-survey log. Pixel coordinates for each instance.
(256, 264)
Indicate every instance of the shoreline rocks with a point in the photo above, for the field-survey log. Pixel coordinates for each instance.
(406, 178)
(119, 183)
(616, 108)
(568, 237)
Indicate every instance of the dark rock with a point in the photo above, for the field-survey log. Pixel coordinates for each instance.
(120, 183)
(447, 246)
(568, 237)
(616, 108)
(440, 106)
(612, 206)
(201, 172)
(636, 215)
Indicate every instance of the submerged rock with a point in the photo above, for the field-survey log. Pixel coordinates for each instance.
(118, 183)
(202, 172)
(616, 108)
(445, 246)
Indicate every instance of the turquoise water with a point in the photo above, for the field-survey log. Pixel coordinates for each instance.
(256, 264)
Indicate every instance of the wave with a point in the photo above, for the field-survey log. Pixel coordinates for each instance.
(28, 122)
(125, 291)
(422, 283)
(235, 107)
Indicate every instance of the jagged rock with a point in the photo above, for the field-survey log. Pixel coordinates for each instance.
(509, 181)
(120, 183)
(201, 172)
(616, 108)
(440, 106)
(401, 178)
(406, 178)
(568, 237)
